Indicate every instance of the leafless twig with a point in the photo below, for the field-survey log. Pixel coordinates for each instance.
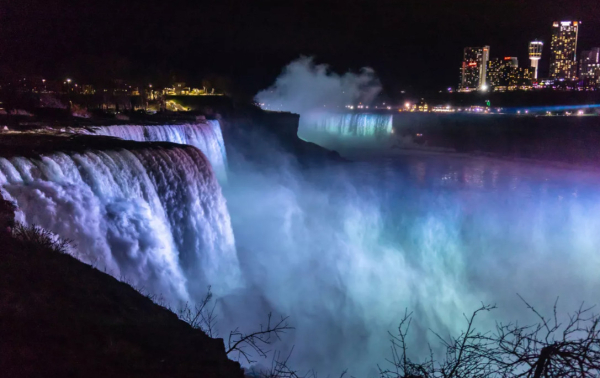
(258, 340)
(202, 316)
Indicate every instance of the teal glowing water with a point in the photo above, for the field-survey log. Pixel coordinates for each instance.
(354, 124)
(351, 130)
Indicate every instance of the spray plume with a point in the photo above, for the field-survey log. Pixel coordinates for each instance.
(306, 87)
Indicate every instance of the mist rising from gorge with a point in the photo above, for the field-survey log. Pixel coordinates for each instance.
(345, 249)
(305, 87)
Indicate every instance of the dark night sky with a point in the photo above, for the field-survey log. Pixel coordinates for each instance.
(411, 44)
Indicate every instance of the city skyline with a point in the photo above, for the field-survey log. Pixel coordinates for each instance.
(478, 72)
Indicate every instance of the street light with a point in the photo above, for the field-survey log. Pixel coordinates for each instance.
(69, 95)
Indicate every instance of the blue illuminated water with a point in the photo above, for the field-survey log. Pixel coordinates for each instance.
(350, 247)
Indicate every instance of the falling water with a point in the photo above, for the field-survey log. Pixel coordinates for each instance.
(205, 136)
(338, 131)
(154, 215)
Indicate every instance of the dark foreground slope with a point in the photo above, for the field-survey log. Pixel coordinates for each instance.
(62, 318)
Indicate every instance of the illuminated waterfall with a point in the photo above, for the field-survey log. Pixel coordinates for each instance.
(346, 130)
(354, 124)
(154, 216)
(205, 136)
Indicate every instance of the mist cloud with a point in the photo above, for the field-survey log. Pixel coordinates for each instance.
(304, 87)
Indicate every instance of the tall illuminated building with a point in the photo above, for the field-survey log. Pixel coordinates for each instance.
(474, 68)
(500, 70)
(504, 74)
(535, 54)
(563, 50)
(589, 66)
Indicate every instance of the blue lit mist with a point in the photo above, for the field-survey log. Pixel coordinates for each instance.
(344, 250)
(350, 247)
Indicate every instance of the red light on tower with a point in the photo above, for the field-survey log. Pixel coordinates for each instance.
(507, 58)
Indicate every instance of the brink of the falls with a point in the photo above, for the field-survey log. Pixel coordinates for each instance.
(150, 213)
(207, 137)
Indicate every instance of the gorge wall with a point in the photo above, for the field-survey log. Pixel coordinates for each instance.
(263, 136)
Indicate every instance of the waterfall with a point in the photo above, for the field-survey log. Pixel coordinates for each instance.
(365, 125)
(339, 131)
(153, 214)
(205, 136)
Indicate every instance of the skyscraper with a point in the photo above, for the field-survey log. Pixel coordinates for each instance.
(500, 71)
(505, 74)
(563, 56)
(474, 68)
(589, 66)
(535, 54)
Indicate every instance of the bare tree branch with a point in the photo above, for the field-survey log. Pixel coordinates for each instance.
(258, 340)
(202, 316)
(550, 348)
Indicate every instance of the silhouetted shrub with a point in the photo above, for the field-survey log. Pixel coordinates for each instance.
(34, 238)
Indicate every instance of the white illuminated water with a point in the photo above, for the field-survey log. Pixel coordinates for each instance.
(205, 136)
(154, 217)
